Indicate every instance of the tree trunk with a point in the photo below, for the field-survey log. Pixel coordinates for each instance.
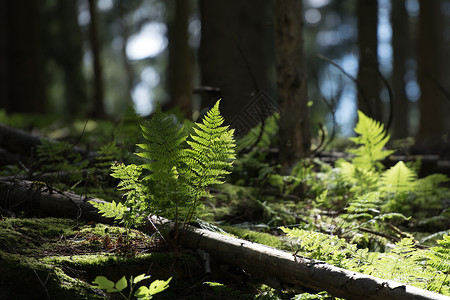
(400, 45)
(429, 72)
(22, 62)
(71, 58)
(236, 58)
(180, 58)
(368, 97)
(98, 109)
(294, 131)
(4, 55)
(125, 33)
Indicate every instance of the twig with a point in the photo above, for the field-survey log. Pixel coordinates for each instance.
(358, 84)
(390, 93)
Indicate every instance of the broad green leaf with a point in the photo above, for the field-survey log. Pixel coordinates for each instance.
(142, 292)
(158, 286)
(121, 284)
(139, 278)
(104, 283)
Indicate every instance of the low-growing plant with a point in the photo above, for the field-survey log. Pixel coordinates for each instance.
(177, 169)
(142, 293)
(428, 269)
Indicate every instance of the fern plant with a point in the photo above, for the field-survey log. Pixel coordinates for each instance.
(439, 259)
(177, 169)
(428, 269)
(372, 140)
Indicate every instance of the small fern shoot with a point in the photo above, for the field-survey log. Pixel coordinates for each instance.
(372, 139)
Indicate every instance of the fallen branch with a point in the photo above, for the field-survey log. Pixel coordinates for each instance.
(273, 265)
(45, 201)
(21, 142)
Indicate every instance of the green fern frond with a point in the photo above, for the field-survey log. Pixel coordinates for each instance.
(372, 139)
(398, 179)
(129, 174)
(163, 149)
(363, 180)
(364, 207)
(439, 257)
(432, 187)
(110, 209)
(212, 151)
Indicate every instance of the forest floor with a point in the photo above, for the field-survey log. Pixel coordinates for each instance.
(44, 256)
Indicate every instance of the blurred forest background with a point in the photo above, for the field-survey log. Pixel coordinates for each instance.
(102, 58)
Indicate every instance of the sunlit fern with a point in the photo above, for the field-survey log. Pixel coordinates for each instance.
(177, 170)
(372, 139)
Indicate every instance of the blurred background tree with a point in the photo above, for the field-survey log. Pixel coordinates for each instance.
(101, 58)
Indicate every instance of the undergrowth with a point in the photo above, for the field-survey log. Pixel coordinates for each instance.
(354, 213)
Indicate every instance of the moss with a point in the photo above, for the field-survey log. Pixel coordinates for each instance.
(159, 265)
(33, 264)
(31, 236)
(29, 278)
(256, 236)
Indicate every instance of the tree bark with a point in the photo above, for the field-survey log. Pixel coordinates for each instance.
(400, 45)
(123, 10)
(43, 201)
(236, 60)
(98, 109)
(368, 97)
(294, 130)
(71, 58)
(180, 58)
(22, 65)
(429, 72)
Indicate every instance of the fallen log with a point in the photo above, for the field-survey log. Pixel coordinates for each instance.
(273, 266)
(21, 142)
(44, 201)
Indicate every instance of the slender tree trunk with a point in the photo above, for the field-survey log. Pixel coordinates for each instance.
(368, 98)
(236, 58)
(24, 66)
(4, 55)
(180, 58)
(294, 132)
(429, 72)
(125, 31)
(400, 45)
(98, 109)
(71, 59)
